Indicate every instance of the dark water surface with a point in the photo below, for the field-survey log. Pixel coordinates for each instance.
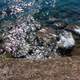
(68, 10)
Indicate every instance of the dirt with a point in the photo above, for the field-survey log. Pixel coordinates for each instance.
(76, 51)
(61, 68)
(67, 68)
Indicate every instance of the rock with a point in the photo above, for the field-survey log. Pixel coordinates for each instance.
(1, 45)
(66, 42)
(19, 38)
(8, 11)
(74, 27)
(59, 24)
(26, 38)
(16, 9)
(39, 52)
(1, 13)
(53, 19)
(47, 35)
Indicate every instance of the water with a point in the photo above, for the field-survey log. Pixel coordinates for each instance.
(67, 10)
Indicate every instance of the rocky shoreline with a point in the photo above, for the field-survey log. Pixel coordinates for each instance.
(27, 38)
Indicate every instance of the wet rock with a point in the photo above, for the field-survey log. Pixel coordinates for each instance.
(1, 13)
(22, 51)
(8, 11)
(74, 27)
(53, 19)
(7, 25)
(16, 9)
(60, 24)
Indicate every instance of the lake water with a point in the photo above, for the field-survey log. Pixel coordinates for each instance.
(68, 10)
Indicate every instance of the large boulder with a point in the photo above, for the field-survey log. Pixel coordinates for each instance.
(20, 36)
(47, 35)
(66, 42)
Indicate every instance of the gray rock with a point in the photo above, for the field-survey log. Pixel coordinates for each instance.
(74, 27)
(60, 24)
(17, 37)
(47, 35)
(28, 39)
(66, 43)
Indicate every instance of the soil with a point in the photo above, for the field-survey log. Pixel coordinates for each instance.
(61, 68)
(67, 68)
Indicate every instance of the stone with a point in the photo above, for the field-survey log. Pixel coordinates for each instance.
(66, 39)
(46, 35)
(19, 38)
(59, 24)
(66, 43)
(26, 38)
(74, 27)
